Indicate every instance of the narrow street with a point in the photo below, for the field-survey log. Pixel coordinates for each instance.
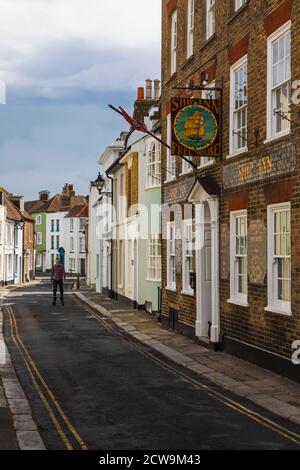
(91, 387)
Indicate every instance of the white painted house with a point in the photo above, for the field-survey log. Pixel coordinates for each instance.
(13, 243)
(64, 235)
(100, 219)
(2, 236)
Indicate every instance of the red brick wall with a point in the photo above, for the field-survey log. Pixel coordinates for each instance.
(247, 30)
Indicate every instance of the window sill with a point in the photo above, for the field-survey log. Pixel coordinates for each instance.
(273, 309)
(204, 165)
(152, 187)
(236, 13)
(186, 172)
(189, 293)
(152, 280)
(277, 136)
(237, 153)
(170, 288)
(208, 41)
(189, 59)
(238, 302)
(172, 77)
(170, 181)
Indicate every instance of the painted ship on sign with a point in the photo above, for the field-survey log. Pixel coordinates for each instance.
(194, 127)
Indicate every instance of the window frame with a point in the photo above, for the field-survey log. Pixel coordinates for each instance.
(210, 19)
(236, 297)
(171, 159)
(154, 241)
(171, 284)
(190, 28)
(233, 150)
(238, 4)
(186, 287)
(153, 167)
(39, 238)
(274, 304)
(276, 35)
(174, 42)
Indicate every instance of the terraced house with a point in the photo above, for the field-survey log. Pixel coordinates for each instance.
(59, 229)
(238, 289)
(136, 227)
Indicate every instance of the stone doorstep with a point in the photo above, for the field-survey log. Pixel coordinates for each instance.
(235, 386)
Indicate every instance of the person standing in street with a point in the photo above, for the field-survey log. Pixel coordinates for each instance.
(57, 277)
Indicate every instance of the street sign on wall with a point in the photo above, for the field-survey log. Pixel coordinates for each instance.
(195, 127)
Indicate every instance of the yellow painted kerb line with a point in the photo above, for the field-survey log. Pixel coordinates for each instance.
(34, 369)
(255, 416)
(38, 389)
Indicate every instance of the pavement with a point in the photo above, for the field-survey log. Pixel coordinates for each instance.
(262, 387)
(91, 381)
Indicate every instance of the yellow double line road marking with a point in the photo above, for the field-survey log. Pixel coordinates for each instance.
(39, 383)
(255, 416)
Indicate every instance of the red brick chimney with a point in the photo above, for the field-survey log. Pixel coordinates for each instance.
(140, 93)
(44, 195)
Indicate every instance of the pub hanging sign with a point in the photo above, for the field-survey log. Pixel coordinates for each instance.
(196, 127)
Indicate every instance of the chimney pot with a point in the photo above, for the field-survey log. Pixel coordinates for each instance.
(156, 89)
(148, 89)
(44, 195)
(140, 93)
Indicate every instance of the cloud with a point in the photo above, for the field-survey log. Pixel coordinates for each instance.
(47, 37)
(62, 62)
(63, 69)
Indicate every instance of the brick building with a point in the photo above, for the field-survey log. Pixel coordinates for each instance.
(246, 203)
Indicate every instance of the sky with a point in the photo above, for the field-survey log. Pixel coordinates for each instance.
(61, 63)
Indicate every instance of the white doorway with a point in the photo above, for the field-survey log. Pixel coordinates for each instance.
(207, 263)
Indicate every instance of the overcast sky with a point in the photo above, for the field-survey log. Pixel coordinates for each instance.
(62, 61)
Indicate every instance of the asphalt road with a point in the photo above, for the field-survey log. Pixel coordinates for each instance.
(103, 391)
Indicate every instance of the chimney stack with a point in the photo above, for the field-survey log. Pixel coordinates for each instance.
(156, 89)
(140, 93)
(44, 195)
(71, 190)
(148, 89)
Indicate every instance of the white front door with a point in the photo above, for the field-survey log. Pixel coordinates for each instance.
(206, 279)
(207, 270)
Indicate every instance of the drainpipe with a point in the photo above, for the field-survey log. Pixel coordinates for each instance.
(111, 240)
